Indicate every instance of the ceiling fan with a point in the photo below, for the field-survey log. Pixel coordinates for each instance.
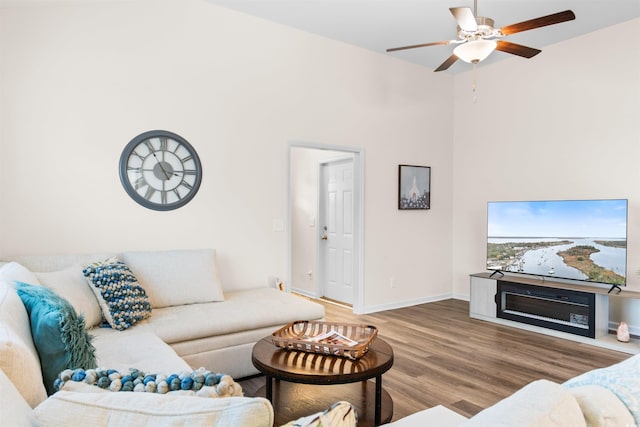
(477, 37)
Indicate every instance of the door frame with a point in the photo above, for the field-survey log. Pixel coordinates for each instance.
(358, 216)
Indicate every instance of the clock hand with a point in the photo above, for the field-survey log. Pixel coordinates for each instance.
(160, 164)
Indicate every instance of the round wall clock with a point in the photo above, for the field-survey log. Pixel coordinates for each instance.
(160, 170)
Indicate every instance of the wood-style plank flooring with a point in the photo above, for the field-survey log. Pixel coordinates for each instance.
(443, 357)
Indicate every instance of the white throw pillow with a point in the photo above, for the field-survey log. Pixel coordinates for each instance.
(18, 356)
(147, 409)
(601, 408)
(177, 277)
(340, 414)
(71, 285)
(14, 272)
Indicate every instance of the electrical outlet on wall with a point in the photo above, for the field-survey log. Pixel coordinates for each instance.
(392, 282)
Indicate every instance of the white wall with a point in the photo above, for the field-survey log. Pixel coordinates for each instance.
(563, 125)
(79, 81)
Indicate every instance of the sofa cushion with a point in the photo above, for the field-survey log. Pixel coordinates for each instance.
(18, 356)
(58, 333)
(71, 285)
(20, 413)
(236, 360)
(241, 311)
(541, 403)
(144, 351)
(601, 408)
(177, 277)
(123, 301)
(121, 409)
(436, 416)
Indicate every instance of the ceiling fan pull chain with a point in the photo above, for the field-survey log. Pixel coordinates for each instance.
(473, 85)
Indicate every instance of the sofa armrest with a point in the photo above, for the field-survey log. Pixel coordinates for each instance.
(130, 409)
(541, 403)
(14, 411)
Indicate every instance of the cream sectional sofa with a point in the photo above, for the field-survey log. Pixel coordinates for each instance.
(219, 335)
(196, 321)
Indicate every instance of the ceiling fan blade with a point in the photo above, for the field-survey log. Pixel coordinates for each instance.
(417, 45)
(517, 49)
(464, 17)
(448, 63)
(543, 21)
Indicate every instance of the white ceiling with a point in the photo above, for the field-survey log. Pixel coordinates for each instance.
(381, 24)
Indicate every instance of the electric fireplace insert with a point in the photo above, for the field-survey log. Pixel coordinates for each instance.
(560, 309)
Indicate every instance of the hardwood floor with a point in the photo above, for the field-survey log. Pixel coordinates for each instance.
(443, 357)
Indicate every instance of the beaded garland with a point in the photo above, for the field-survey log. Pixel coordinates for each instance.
(202, 382)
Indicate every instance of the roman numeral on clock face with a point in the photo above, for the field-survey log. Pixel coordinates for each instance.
(139, 183)
(149, 193)
(149, 146)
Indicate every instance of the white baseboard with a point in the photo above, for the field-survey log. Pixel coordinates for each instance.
(405, 303)
(304, 293)
(391, 306)
(463, 297)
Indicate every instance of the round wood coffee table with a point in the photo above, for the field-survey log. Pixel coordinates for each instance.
(298, 374)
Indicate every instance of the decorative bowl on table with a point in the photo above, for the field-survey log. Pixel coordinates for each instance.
(338, 339)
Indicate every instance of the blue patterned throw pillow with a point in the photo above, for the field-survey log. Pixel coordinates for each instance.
(58, 333)
(122, 300)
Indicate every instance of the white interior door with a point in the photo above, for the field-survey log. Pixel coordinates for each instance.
(336, 231)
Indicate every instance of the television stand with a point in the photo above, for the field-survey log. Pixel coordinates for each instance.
(484, 299)
(497, 272)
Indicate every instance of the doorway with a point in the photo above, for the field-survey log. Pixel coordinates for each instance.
(325, 263)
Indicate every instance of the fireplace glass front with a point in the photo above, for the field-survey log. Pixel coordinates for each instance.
(560, 309)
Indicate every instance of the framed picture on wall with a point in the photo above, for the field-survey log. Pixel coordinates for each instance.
(414, 187)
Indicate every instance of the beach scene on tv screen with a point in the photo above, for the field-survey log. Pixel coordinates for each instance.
(581, 240)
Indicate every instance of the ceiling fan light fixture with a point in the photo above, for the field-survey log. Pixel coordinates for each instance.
(475, 51)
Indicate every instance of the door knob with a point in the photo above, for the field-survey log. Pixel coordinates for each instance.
(324, 237)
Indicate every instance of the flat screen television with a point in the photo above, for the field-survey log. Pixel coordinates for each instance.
(583, 240)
